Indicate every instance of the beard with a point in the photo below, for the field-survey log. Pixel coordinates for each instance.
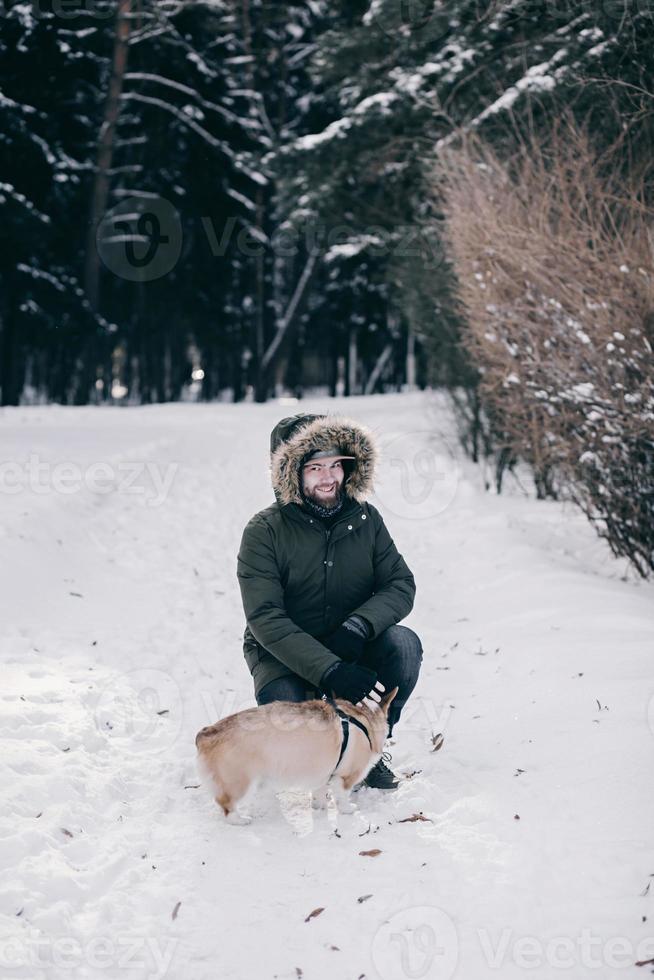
(324, 505)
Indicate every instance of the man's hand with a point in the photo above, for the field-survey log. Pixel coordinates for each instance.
(345, 644)
(348, 641)
(352, 683)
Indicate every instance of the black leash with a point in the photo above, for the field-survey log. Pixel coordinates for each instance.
(345, 722)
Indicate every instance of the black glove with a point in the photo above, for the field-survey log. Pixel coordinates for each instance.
(348, 681)
(347, 642)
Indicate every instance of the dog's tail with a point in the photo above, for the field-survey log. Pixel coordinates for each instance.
(206, 732)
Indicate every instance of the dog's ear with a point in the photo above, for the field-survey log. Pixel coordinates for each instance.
(385, 702)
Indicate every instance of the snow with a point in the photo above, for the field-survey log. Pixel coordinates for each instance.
(583, 391)
(10, 190)
(339, 127)
(242, 199)
(460, 58)
(537, 78)
(373, 11)
(336, 129)
(7, 103)
(348, 250)
(121, 637)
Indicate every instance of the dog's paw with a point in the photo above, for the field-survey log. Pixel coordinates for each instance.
(238, 819)
(344, 806)
(320, 799)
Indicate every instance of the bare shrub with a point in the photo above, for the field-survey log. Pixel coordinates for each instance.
(552, 250)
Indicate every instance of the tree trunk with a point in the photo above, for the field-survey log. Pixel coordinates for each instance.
(375, 374)
(106, 139)
(285, 327)
(9, 349)
(352, 359)
(410, 360)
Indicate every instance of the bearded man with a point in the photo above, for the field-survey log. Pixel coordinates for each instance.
(323, 585)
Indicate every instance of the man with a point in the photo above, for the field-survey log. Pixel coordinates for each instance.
(322, 583)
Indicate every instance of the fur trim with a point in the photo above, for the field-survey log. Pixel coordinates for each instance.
(352, 438)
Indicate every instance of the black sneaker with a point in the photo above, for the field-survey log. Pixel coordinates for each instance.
(380, 776)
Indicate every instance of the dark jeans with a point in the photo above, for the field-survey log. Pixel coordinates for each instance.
(395, 655)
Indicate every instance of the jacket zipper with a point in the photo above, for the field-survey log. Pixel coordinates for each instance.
(324, 597)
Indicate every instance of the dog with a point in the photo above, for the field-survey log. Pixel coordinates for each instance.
(318, 745)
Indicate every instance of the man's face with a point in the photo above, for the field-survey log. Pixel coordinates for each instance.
(322, 481)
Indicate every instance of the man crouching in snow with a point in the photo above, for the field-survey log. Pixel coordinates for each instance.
(322, 583)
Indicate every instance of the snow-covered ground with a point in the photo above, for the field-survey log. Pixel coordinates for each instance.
(120, 637)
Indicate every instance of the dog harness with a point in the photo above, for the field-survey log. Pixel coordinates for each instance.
(345, 722)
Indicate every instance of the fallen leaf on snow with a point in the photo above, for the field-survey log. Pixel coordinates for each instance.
(372, 854)
(363, 898)
(176, 910)
(437, 741)
(416, 816)
(313, 914)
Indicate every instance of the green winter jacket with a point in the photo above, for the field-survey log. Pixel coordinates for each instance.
(300, 581)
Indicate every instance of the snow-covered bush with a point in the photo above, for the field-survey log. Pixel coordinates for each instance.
(553, 255)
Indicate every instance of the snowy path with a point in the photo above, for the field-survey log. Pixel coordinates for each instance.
(120, 637)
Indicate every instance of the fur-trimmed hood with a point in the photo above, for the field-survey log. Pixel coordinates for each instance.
(295, 437)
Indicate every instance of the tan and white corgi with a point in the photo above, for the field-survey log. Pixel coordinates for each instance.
(315, 745)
